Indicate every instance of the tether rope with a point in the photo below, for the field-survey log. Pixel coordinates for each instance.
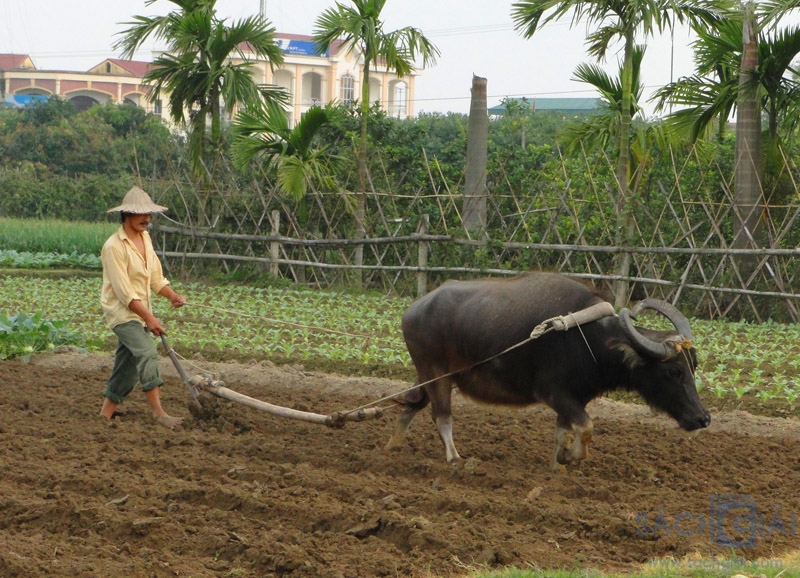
(558, 323)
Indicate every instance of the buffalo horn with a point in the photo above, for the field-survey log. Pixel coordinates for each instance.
(658, 349)
(669, 311)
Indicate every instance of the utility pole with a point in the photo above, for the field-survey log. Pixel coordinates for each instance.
(263, 9)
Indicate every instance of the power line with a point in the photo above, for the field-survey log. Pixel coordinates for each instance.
(489, 28)
(482, 28)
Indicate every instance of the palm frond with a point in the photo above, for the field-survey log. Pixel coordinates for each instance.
(702, 100)
(293, 177)
(302, 135)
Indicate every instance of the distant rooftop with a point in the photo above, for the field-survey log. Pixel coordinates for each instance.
(134, 67)
(20, 62)
(16, 62)
(555, 104)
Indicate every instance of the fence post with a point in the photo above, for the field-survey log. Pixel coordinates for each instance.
(422, 261)
(275, 246)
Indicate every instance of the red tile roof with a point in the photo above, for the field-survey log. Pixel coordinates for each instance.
(12, 61)
(135, 67)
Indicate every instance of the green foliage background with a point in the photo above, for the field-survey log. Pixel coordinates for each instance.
(56, 163)
(60, 164)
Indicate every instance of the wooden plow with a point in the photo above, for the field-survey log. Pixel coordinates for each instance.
(199, 383)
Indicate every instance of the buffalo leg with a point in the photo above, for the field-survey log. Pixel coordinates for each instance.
(573, 435)
(583, 436)
(563, 435)
(445, 427)
(400, 429)
(440, 395)
(413, 401)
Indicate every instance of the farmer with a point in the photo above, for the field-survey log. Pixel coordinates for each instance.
(131, 269)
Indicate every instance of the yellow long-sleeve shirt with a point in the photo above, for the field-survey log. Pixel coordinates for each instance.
(128, 276)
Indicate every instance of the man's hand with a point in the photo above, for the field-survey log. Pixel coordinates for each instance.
(174, 297)
(177, 300)
(150, 320)
(154, 325)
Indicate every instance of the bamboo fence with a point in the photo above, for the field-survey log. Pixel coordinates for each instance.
(681, 248)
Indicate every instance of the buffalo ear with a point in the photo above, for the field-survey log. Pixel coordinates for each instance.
(630, 357)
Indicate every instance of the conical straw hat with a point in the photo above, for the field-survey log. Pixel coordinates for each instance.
(138, 202)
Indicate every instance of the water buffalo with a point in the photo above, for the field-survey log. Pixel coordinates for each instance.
(452, 330)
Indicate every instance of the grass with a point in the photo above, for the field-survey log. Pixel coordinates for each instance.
(690, 567)
(54, 236)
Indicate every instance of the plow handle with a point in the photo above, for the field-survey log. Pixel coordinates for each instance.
(174, 357)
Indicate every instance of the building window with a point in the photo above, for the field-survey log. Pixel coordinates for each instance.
(312, 89)
(108, 68)
(348, 90)
(157, 108)
(400, 108)
(316, 90)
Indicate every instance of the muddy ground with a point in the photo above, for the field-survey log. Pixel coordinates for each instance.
(239, 492)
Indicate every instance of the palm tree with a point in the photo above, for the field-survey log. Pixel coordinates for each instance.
(599, 131)
(616, 20)
(360, 28)
(747, 182)
(264, 132)
(748, 190)
(298, 163)
(742, 68)
(197, 70)
(710, 95)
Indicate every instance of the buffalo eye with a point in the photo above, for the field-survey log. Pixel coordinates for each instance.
(675, 372)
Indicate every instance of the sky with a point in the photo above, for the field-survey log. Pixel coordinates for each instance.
(473, 37)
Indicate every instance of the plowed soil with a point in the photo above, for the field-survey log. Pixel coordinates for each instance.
(240, 492)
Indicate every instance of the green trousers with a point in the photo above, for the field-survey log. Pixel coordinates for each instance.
(136, 359)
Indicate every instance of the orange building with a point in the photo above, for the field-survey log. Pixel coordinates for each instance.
(112, 80)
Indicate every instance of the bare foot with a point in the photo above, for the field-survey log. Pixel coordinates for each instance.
(168, 421)
(112, 420)
(109, 409)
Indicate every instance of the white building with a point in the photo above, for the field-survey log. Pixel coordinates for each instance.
(313, 80)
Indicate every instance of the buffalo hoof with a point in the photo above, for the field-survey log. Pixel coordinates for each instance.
(564, 456)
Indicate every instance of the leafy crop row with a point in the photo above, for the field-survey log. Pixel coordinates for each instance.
(21, 335)
(54, 236)
(235, 321)
(290, 325)
(27, 260)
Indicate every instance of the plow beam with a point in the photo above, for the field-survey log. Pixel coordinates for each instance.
(335, 420)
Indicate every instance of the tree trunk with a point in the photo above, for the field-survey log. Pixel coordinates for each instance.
(475, 191)
(625, 201)
(363, 178)
(747, 187)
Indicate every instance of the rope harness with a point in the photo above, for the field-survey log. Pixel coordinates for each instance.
(559, 323)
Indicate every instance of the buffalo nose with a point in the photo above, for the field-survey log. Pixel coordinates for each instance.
(705, 421)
